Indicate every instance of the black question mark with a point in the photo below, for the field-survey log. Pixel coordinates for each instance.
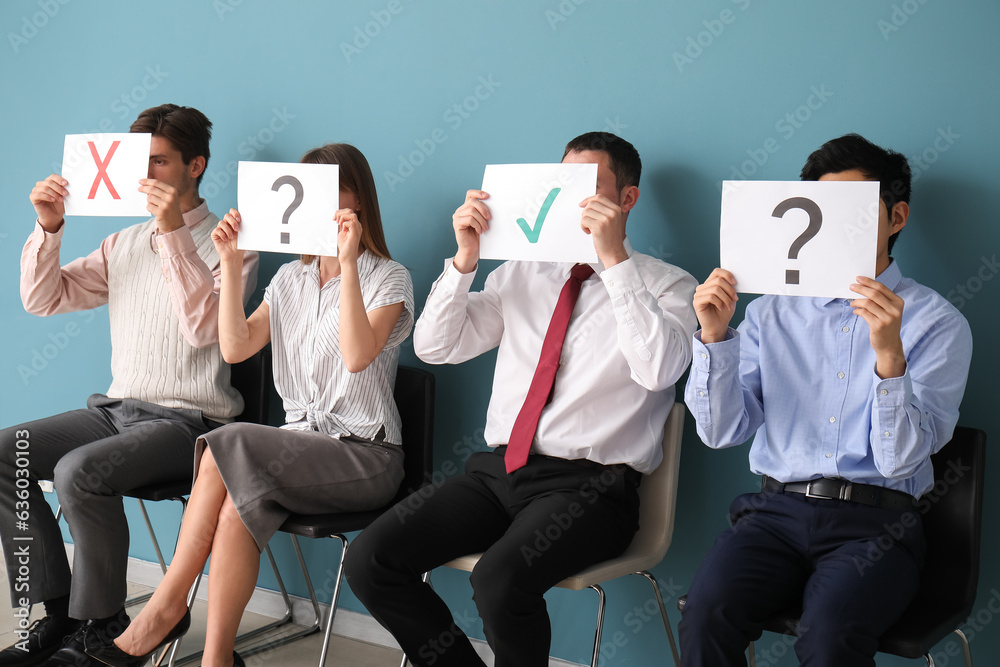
(815, 222)
(294, 182)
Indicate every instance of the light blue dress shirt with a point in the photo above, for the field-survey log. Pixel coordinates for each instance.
(800, 374)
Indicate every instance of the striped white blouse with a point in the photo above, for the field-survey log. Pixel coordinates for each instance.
(317, 390)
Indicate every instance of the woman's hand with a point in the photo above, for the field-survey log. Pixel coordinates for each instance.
(224, 237)
(348, 236)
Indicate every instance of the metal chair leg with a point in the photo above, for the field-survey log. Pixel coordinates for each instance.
(965, 647)
(663, 614)
(426, 579)
(334, 600)
(287, 618)
(600, 624)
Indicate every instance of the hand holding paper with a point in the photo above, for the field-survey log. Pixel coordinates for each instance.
(48, 198)
(882, 309)
(349, 235)
(225, 237)
(602, 219)
(163, 203)
(470, 221)
(714, 305)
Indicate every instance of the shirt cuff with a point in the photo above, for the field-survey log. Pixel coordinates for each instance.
(892, 392)
(453, 280)
(623, 277)
(55, 236)
(177, 242)
(723, 355)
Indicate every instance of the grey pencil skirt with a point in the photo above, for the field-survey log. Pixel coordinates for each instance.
(271, 473)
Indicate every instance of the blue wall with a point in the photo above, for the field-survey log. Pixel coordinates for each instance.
(701, 88)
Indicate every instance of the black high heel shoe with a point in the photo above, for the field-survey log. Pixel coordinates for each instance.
(110, 654)
(238, 661)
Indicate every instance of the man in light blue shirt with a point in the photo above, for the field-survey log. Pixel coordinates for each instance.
(846, 400)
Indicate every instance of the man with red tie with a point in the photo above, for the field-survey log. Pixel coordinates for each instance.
(587, 361)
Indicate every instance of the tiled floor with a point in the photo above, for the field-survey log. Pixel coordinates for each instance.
(343, 652)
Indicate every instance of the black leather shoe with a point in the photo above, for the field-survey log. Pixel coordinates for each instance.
(88, 634)
(109, 654)
(41, 640)
(238, 661)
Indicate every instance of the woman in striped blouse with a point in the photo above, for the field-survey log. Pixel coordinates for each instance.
(335, 325)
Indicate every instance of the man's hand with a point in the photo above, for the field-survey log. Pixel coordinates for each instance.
(714, 305)
(882, 309)
(603, 219)
(224, 237)
(470, 220)
(163, 203)
(348, 235)
(48, 198)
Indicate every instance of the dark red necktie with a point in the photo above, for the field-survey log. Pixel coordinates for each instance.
(540, 390)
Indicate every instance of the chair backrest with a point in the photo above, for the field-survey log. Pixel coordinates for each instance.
(252, 378)
(658, 496)
(952, 515)
(414, 394)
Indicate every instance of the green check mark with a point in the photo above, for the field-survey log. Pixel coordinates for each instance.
(532, 234)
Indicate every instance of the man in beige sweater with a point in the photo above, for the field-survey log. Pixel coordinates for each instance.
(169, 385)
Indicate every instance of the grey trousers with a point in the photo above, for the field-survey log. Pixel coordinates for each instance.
(92, 456)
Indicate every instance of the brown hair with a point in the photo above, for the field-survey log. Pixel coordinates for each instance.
(185, 127)
(355, 177)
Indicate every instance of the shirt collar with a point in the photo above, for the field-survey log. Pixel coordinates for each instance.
(890, 277)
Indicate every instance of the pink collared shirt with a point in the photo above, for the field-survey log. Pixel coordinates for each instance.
(47, 289)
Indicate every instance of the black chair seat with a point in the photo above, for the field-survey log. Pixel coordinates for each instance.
(325, 525)
(164, 491)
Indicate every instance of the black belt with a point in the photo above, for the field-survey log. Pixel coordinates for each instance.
(840, 489)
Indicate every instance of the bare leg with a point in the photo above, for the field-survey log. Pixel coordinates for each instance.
(169, 602)
(232, 576)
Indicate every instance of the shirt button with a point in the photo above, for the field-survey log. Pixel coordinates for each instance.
(829, 456)
(885, 433)
(846, 329)
(611, 283)
(704, 356)
(884, 392)
(160, 245)
(701, 393)
(833, 419)
(840, 375)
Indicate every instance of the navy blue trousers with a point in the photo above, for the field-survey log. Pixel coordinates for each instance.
(851, 569)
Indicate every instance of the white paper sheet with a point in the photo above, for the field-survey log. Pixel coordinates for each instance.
(802, 238)
(535, 212)
(288, 207)
(103, 171)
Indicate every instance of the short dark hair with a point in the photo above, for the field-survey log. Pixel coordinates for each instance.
(852, 151)
(187, 129)
(624, 158)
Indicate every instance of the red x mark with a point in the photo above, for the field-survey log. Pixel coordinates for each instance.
(102, 169)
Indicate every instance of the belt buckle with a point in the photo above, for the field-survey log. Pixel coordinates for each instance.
(845, 492)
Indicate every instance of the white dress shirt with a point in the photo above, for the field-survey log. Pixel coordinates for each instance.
(628, 342)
